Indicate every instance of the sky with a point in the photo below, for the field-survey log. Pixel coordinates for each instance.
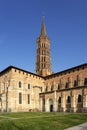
(20, 25)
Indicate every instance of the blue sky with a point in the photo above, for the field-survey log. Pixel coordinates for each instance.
(20, 25)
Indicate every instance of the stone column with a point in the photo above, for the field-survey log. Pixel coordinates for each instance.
(55, 102)
(73, 101)
(63, 102)
(73, 104)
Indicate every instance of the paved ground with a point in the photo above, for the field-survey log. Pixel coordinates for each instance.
(79, 127)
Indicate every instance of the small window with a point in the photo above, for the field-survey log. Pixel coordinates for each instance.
(58, 86)
(51, 88)
(67, 85)
(20, 84)
(85, 81)
(75, 83)
(44, 59)
(79, 98)
(20, 98)
(28, 97)
(46, 89)
(68, 99)
(43, 45)
(28, 86)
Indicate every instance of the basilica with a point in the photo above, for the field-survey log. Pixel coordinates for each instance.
(44, 91)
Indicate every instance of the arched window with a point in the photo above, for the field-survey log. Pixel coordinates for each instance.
(58, 86)
(68, 99)
(85, 81)
(75, 83)
(28, 86)
(52, 88)
(59, 100)
(20, 84)
(20, 98)
(79, 98)
(44, 46)
(67, 85)
(46, 89)
(44, 59)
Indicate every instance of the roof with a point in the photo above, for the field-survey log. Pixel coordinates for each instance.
(43, 28)
(49, 76)
(67, 70)
(10, 67)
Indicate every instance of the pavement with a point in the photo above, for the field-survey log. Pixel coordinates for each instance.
(79, 127)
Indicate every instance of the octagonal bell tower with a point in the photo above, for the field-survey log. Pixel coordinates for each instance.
(43, 62)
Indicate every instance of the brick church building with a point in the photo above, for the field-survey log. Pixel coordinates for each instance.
(65, 91)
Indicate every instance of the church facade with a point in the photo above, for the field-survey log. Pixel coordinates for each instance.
(44, 91)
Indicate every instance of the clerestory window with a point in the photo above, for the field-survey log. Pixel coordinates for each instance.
(85, 81)
(28, 86)
(20, 84)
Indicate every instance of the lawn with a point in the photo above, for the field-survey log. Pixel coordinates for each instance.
(40, 121)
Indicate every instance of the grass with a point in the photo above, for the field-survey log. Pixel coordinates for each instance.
(40, 121)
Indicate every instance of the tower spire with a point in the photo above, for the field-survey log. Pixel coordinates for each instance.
(43, 28)
(43, 63)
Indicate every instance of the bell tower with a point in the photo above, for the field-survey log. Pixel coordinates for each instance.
(43, 63)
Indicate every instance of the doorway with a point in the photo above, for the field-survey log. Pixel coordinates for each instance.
(51, 105)
(51, 108)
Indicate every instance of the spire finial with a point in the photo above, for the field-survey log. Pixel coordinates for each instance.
(43, 28)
